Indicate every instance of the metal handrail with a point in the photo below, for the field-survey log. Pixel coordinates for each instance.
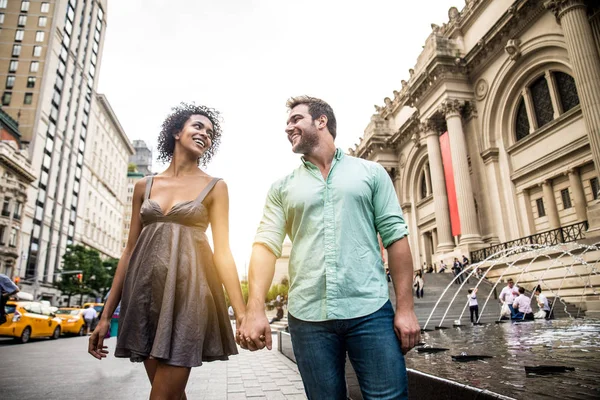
(564, 234)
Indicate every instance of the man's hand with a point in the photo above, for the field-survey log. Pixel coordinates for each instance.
(407, 329)
(255, 332)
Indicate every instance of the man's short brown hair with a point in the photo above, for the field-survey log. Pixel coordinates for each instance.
(316, 108)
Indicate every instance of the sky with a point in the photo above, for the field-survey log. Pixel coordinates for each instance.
(246, 58)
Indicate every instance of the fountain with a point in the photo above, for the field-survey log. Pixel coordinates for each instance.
(521, 360)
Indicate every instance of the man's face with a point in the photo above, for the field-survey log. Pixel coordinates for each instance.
(511, 284)
(301, 130)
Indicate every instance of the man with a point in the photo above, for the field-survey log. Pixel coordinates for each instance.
(508, 295)
(332, 207)
(522, 306)
(457, 269)
(542, 301)
(7, 289)
(89, 315)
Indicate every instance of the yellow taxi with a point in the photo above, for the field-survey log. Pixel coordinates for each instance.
(30, 319)
(72, 321)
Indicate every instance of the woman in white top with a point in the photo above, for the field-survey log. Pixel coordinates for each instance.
(542, 301)
(418, 284)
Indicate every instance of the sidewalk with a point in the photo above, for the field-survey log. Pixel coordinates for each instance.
(260, 375)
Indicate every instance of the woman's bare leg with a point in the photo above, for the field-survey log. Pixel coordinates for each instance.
(168, 382)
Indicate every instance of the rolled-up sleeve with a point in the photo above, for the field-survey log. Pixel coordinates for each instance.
(389, 220)
(271, 230)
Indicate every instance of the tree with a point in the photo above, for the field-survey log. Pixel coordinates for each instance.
(74, 259)
(110, 266)
(131, 167)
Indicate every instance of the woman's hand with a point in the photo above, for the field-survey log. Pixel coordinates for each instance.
(96, 344)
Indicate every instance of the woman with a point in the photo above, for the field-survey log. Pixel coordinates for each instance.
(418, 284)
(173, 314)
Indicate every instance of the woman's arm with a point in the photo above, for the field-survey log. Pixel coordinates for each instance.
(96, 347)
(219, 222)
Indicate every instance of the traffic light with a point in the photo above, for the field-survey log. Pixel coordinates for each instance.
(80, 278)
(17, 279)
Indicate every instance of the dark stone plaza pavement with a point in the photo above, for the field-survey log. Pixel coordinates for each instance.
(62, 369)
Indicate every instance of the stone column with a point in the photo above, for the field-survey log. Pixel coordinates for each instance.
(434, 239)
(578, 195)
(438, 185)
(585, 59)
(428, 180)
(550, 204)
(462, 179)
(528, 213)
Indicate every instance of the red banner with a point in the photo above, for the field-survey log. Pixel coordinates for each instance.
(450, 189)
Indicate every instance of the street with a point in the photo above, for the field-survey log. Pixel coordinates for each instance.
(62, 369)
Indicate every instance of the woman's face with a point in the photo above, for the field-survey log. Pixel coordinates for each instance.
(196, 135)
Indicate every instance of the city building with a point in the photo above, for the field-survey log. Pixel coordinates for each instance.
(132, 177)
(494, 135)
(103, 191)
(51, 57)
(282, 264)
(16, 175)
(142, 157)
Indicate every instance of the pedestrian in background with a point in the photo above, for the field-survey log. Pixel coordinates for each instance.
(173, 314)
(418, 284)
(89, 316)
(7, 289)
(473, 305)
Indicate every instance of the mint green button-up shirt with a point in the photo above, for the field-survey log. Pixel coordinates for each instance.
(336, 270)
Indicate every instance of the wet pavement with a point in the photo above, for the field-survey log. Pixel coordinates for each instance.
(572, 343)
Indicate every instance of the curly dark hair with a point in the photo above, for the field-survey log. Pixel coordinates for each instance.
(174, 123)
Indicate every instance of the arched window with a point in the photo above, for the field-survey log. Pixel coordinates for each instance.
(542, 103)
(566, 90)
(423, 185)
(522, 127)
(538, 96)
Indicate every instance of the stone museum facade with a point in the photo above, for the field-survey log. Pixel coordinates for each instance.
(495, 133)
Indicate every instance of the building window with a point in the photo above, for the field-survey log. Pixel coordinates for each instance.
(18, 210)
(522, 127)
(31, 82)
(10, 82)
(22, 21)
(6, 97)
(595, 188)
(542, 109)
(566, 90)
(2, 229)
(13, 66)
(3, 3)
(34, 67)
(16, 50)
(24, 6)
(566, 199)
(540, 207)
(423, 186)
(37, 51)
(6, 208)
(12, 241)
(1, 18)
(39, 36)
(28, 98)
(542, 103)
(42, 21)
(45, 7)
(19, 35)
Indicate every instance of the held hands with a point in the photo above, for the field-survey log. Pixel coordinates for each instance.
(407, 329)
(96, 344)
(254, 333)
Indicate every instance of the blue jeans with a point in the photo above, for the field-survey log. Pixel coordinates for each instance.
(373, 349)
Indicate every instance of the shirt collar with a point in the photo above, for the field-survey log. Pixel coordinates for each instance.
(337, 156)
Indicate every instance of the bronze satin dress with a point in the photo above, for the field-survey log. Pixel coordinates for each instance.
(173, 305)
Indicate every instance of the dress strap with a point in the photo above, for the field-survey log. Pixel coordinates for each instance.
(207, 190)
(148, 187)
